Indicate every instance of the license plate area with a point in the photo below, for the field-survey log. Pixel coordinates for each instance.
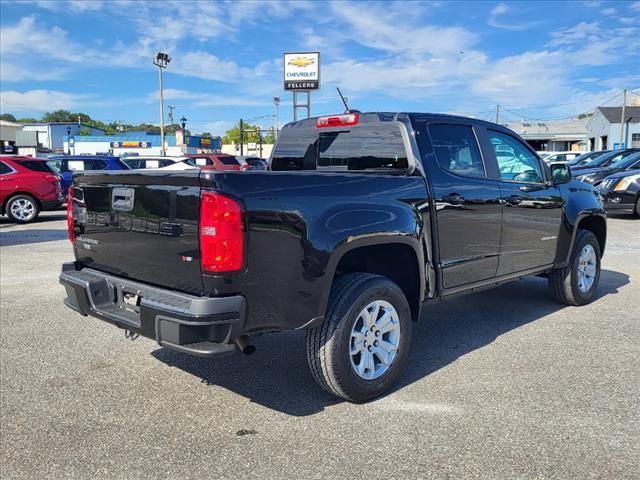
(125, 304)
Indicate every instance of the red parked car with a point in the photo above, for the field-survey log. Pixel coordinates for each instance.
(27, 186)
(215, 161)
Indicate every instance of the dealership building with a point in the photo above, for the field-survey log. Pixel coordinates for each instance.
(140, 144)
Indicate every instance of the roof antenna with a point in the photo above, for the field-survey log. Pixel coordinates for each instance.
(344, 101)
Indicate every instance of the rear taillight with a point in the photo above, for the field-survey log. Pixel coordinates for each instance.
(221, 233)
(70, 228)
(338, 120)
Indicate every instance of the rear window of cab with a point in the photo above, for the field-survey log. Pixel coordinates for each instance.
(370, 147)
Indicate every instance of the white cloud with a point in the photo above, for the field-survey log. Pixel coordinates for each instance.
(635, 6)
(609, 11)
(38, 100)
(26, 37)
(10, 72)
(203, 99)
(216, 128)
(501, 10)
(390, 29)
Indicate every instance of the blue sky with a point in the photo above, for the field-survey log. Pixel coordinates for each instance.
(540, 60)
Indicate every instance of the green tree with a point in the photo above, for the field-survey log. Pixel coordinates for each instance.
(233, 134)
(7, 117)
(59, 116)
(28, 120)
(84, 131)
(205, 135)
(270, 137)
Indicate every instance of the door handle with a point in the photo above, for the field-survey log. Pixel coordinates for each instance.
(454, 199)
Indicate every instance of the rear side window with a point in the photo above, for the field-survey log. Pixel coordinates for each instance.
(4, 168)
(228, 160)
(377, 147)
(457, 150)
(95, 164)
(36, 166)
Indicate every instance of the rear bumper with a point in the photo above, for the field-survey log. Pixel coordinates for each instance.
(201, 326)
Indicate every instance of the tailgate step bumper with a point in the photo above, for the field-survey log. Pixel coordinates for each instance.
(201, 326)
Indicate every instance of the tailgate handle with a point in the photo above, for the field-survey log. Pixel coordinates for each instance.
(122, 199)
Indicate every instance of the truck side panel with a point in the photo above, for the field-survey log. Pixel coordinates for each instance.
(299, 224)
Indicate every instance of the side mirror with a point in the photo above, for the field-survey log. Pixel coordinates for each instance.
(560, 173)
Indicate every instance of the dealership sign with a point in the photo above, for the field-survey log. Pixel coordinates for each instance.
(130, 144)
(302, 71)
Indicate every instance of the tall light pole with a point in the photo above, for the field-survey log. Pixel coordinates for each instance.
(161, 61)
(276, 101)
(183, 121)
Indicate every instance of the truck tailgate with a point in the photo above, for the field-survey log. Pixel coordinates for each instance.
(141, 225)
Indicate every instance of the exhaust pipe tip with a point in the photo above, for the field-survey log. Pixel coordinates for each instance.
(242, 342)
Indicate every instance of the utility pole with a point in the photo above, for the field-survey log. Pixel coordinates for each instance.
(276, 101)
(498, 113)
(241, 137)
(624, 107)
(161, 61)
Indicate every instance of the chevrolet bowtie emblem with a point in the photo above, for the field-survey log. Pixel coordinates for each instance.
(301, 61)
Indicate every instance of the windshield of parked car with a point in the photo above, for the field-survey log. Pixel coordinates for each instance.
(585, 157)
(616, 157)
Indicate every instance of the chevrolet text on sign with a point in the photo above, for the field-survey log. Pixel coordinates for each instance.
(302, 71)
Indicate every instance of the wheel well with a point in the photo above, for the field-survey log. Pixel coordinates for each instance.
(598, 227)
(13, 194)
(397, 262)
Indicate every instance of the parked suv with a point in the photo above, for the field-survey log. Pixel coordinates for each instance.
(363, 221)
(215, 161)
(27, 186)
(67, 164)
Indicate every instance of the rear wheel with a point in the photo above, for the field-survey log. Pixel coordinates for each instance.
(636, 210)
(22, 209)
(576, 284)
(362, 346)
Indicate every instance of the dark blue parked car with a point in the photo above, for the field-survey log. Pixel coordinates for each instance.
(67, 164)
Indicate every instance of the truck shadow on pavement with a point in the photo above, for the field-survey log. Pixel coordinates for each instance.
(277, 376)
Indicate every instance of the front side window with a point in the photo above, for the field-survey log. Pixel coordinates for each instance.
(515, 161)
(457, 150)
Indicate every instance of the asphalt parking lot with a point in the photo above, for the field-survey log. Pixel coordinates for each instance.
(501, 384)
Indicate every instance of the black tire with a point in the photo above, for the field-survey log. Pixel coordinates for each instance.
(564, 281)
(636, 211)
(26, 200)
(328, 346)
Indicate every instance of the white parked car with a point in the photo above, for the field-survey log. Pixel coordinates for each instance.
(561, 156)
(159, 162)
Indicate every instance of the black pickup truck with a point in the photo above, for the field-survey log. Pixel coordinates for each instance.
(360, 222)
